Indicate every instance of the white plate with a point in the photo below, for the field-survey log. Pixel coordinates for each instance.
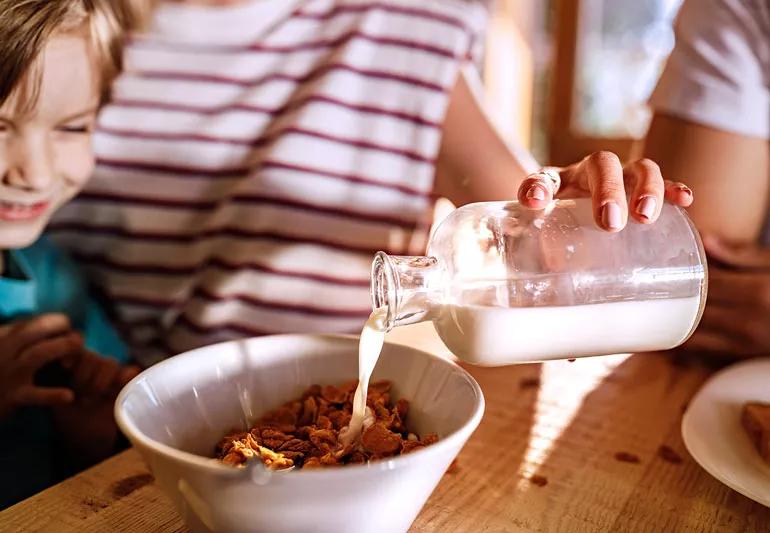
(714, 436)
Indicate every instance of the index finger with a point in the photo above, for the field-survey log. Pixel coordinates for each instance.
(46, 351)
(604, 175)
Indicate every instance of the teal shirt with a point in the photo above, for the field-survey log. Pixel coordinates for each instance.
(36, 280)
(42, 279)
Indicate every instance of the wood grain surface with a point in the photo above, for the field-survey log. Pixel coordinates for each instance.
(590, 445)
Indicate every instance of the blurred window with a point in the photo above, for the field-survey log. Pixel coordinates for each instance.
(622, 46)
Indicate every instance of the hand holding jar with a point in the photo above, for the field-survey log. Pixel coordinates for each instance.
(506, 284)
(603, 178)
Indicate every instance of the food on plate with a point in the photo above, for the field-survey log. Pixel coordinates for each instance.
(305, 433)
(756, 421)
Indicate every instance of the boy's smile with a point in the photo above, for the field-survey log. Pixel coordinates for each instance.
(45, 148)
(13, 212)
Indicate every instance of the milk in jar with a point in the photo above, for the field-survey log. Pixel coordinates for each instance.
(503, 284)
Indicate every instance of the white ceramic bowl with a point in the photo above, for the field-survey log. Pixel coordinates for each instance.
(176, 411)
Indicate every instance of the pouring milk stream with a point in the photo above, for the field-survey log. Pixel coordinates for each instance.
(369, 348)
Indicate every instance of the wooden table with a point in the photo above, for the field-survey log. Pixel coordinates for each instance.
(592, 445)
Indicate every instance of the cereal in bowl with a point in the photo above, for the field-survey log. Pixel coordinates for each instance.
(305, 433)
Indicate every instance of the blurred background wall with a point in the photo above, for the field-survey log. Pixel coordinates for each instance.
(568, 77)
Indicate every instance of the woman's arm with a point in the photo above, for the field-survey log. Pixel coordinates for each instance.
(474, 165)
(728, 171)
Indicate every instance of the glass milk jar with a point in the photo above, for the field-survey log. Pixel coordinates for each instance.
(504, 284)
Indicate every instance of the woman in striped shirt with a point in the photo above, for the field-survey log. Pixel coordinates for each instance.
(257, 153)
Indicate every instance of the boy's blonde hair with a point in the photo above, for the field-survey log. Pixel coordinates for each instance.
(27, 25)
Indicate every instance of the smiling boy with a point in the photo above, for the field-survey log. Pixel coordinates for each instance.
(57, 57)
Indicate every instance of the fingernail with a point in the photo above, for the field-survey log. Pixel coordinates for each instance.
(647, 206)
(611, 216)
(536, 192)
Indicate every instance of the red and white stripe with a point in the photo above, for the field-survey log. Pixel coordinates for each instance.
(255, 157)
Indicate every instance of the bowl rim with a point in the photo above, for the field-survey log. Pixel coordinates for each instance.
(212, 466)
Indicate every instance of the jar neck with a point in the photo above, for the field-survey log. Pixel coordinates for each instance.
(406, 286)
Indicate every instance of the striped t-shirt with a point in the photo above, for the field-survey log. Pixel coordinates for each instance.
(255, 157)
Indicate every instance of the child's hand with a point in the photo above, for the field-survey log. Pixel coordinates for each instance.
(87, 427)
(126, 374)
(25, 347)
(95, 377)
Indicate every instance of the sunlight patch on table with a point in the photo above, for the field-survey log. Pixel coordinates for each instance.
(563, 387)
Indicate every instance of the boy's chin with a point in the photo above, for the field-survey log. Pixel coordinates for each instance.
(12, 238)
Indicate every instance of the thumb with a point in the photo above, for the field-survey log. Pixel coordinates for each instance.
(538, 189)
(742, 256)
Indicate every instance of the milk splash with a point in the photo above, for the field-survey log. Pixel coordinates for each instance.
(369, 348)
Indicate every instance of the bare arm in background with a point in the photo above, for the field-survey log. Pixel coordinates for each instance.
(475, 164)
(730, 173)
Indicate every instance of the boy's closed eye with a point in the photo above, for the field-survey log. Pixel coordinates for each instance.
(74, 128)
(79, 124)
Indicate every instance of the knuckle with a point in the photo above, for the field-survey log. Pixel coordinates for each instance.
(60, 320)
(647, 165)
(604, 157)
(49, 321)
(611, 189)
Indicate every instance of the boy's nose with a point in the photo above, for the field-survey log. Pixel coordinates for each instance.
(29, 172)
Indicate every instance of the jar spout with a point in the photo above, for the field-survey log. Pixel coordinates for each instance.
(406, 285)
